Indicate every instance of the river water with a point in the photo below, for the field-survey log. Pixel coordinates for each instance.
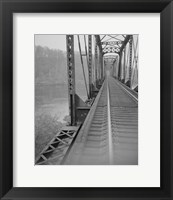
(53, 100)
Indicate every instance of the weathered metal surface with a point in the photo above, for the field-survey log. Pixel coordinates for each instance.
(119, 65)
(71, 78)
(111, 49)
(130, 61)
(57, 148)
(96, 63)
(90, 64)
(112, 43)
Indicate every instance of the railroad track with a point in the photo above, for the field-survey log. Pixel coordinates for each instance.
(124, 122)
(109, 134)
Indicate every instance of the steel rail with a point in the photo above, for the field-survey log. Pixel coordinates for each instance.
(129, 93)
(110, 143)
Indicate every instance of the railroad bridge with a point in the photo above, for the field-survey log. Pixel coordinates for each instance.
(103, 130)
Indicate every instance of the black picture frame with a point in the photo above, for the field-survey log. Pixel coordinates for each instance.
(7, 8)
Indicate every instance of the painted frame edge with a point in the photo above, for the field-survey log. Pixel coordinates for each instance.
(7, 7)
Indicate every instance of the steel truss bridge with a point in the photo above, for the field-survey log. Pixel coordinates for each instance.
(103, 129)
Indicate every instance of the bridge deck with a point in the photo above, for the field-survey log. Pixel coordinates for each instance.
(109, 134)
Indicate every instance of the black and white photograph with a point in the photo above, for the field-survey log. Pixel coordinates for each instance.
(86, 99)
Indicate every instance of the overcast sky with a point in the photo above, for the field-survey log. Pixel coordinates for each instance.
(58, 41)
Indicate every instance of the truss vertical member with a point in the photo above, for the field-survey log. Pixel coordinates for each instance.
(99, 54)
(90, 64)
(119, 65)
(96, 64)
(100, 58)
(101, 64)
(130, 60)
(123, 47)
(71, 78)
(82, 63)
(124, 70)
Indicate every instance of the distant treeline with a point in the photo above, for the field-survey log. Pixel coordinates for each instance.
(51, 66)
